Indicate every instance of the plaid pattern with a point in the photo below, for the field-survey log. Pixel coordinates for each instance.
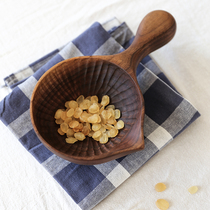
(167, 114)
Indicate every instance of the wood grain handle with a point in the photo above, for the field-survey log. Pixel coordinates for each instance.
(156, 29)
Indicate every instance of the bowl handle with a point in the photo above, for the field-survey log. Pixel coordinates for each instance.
(156, 29)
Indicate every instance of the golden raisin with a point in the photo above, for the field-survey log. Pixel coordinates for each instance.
(70, 112)
(117, 113)
(105, 100)
(85, 130)
(85, 104)
(162, 204)
(103, 139)
(73, 104)
(94, 99)
(88, 117)
(80, 99)
(71, 140)
(64, 127)
(73, 124)
(96, 134)
(60, 131)
(193, 189)
(63, 115)
(96, 126)
(159, 187)
(70, 132)
(94, 108)
(59, 121)
(93, 119)
(112, 133)
(79, 136)
(58, 114)
(77, 112)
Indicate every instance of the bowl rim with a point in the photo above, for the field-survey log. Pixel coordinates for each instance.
(104, 157)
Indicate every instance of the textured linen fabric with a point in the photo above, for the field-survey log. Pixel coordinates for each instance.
(167, 114)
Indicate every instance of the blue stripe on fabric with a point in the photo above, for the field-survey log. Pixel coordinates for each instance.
(128, 43)
(30, 140)
(146, 59)
(160, 101)
(120, 159)
(56, 59)
(163, 77)
(90, 40)
(17, 101)
(79, 180)
(40, 152)
(43, 58)
(32, 143)
(139, 69)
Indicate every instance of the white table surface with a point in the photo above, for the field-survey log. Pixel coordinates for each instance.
(31, 29)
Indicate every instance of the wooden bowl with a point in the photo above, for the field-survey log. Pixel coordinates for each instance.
(113, 75)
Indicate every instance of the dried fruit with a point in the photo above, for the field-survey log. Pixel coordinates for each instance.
(80, 99)
(90, 134)
(94, 99)
(111, 121)
(64, 127)
(105, 100)
(162, 204)
(96, 126)
(96, 134)
(94, 108)
(193, 189)
(85, 130)
(67, 104)
(78, 128)
(70, 132)
(70, 112)
(73, 124)
(102, 129)
(85, 104)
(105, 114)
(59, 121)
(103, 139)
(68, 120)
(60, 132)
(159, 187)
(119, 125)
(87, 117)
(71, 140)
(79, 136)
(77, 112)
(93, 119)
(84, 116)
(73, 104)
(117, 113)
(63, 115)
(112, 133)
(110, 107)
(58, 114)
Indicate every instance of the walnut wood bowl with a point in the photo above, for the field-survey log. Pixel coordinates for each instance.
(113, 75)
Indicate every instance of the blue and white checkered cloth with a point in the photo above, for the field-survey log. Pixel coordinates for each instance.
(167, 114)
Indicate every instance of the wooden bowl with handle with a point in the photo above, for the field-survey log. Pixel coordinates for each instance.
(112, 75)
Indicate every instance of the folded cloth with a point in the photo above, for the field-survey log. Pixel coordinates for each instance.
(167, 114)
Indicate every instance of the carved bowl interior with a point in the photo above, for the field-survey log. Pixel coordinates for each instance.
(87, 76)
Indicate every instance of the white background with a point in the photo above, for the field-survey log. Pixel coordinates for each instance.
(31, 29)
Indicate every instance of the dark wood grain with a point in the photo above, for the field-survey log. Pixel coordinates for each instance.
(112, 75)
